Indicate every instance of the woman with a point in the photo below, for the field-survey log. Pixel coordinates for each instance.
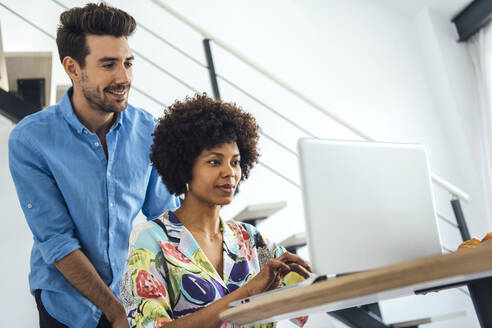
(185, 267)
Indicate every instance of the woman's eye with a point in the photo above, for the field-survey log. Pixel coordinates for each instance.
(213, 162)
(235, 162)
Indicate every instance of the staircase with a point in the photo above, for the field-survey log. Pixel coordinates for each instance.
(278, 172)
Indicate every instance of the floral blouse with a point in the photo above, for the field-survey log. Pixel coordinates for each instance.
(168, 276)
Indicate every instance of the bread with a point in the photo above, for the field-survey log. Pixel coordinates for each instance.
(487, 237)
(472, 243)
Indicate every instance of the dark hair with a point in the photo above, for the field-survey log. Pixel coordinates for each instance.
(96, 19)
(189, 127)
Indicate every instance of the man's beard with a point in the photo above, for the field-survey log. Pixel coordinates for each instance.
(102, 103)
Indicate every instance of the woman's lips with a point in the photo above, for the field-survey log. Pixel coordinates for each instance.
(227, 188)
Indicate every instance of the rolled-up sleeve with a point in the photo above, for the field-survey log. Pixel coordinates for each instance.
(157, 198)
(41, 200)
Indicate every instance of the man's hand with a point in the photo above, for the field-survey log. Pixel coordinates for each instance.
(80, 272)
(120, 322)
(274, 272)
(116, 316)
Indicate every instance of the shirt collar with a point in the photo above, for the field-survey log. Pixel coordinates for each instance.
(72, 119)
(188, 246)
(67, 110)
(230, 238)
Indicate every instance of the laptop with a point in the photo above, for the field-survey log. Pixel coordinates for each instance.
(366, 205)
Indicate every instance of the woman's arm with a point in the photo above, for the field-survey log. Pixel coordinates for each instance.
(267, 279)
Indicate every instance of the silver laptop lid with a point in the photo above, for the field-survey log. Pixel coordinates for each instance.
(366, 204)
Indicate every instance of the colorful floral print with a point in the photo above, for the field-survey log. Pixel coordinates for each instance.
(148, 287)
(243, 241)
(168, 276)
(172, 251)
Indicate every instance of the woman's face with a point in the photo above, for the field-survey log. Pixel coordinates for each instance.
(215, 174)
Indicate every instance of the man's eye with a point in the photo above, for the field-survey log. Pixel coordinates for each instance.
(108, 66)
(129, 64)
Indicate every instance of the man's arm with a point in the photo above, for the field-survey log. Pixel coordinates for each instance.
(52, 226)
(80, 272)
(157, 198)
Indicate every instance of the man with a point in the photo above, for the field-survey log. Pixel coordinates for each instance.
(82, 173)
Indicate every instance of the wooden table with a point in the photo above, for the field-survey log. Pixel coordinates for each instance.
(367, 287)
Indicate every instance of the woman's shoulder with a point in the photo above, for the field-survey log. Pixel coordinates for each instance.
(242, 228)
(147, 234)
(247, 232)
(237, 224)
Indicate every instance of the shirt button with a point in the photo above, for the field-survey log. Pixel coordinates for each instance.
(111, 204)
(111, 234)
(29, 205)
(96, 144)
(112, 263)
(109, 174)
(85, 131)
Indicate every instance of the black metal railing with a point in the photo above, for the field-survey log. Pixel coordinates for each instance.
(183, 83)
(461, 223)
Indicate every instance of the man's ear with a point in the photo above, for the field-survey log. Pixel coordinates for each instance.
(72, 68)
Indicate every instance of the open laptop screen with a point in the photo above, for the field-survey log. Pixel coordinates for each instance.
(366, 204)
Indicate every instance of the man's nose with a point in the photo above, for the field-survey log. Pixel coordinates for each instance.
(124, 75)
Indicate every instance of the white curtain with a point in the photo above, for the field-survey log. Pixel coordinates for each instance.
(480, 50)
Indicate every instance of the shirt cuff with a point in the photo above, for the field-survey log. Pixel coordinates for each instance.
(56, 248)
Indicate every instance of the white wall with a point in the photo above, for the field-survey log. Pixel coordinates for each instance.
(15, 246)
(396, 75)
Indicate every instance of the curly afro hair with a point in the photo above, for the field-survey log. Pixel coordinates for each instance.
(191, 126)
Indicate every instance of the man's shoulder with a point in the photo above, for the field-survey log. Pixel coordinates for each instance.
(139, 115)
(44, 121)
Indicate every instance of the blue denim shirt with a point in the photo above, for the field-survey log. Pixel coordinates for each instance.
(75, 198)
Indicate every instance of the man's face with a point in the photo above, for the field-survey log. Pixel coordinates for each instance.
(107, 75)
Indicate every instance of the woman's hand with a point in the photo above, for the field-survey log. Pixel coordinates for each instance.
(274, 272)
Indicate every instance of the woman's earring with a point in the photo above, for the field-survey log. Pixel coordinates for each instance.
(187, 188)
